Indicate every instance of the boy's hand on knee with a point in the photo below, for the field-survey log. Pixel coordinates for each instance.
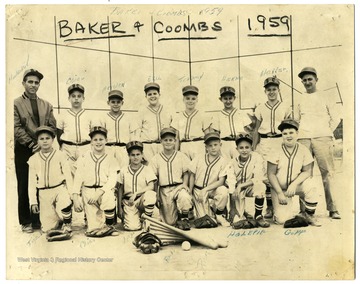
(282, 199)
(131, 200)
(97, 194)
(290, 192)
(77, 203)
(35, 209)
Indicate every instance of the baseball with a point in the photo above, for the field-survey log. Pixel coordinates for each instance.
(186, 245)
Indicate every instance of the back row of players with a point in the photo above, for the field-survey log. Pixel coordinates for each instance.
(229, 166)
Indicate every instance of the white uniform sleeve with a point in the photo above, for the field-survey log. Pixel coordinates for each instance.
(32, 182)
(66, 169)
(154, 166)
(150, 176)
(79, 173)
(193, 165)
(120, 176)
(185, 162)
(308, 159)
(113, 169)
(231, 177)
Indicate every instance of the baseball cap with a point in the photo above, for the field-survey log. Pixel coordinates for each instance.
(271, 81)
(76, 87)
(243, 136)
(97, 130)
(33, 72)
(167, 130)
(213, 135)
(307, 70)
(288, 123)
(134, 145)
(152, 85)
(226, 90)
(115, 94)
(190, 90)
(45, 129)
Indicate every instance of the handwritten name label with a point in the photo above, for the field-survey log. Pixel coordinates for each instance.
(113, 86)
(273, 71)
(194, 78)
(227, 78)
(19, 70)
(245, 233)
(74, 79)
(294, 232)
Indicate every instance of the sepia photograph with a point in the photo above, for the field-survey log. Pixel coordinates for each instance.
(180, 141)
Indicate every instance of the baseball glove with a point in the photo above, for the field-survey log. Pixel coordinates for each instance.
(245, 224)
(296, 222)
(205, 222)
(102, 232)
(147, 242)
(58, 235)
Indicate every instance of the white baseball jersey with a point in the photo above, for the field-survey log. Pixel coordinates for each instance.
(231, 124)
(76, 126)
(120, 128)
(207, 172)
(289, 165)
(48, 170)
(316, 115)
(150, 122)
(170, 170)
(191, 126)
(271, 116)
(135, 182)
(93, 170)
(253, 169)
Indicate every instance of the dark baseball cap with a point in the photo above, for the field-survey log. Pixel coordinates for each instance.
(288, 123)
(134, 145)
(213, 135)
(243, 136)
(152, 85)
(307, 70)
(76, 87)
(226, 90)
(271, 81)
(97, 130)
(33, 72)
(190, 90)
(45, 129)
(168, 130)
(115, 94)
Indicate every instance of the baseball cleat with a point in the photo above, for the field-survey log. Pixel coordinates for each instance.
(260, 221)
(334, 215)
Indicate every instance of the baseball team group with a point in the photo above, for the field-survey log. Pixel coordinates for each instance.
(196, 168)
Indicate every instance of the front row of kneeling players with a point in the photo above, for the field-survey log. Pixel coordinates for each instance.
(171, 182)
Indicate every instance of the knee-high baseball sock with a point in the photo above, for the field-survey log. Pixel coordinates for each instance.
(259, 205)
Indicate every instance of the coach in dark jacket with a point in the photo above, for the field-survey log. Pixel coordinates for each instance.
(30, 112)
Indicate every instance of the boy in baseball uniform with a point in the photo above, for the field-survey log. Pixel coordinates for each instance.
(119, 127)
(151, 120)
(289, 168)
(266, 135)
(50, 175)
(207, 177)
(230, 121)
(250, 173)
(136, 193)
(191, 124)
(95, 177)
(173, 194)
(73, 126)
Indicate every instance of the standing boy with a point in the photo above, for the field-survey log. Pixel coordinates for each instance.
(73, 126)
(30, 112)
(173, 194)
(230, 122)
(289, 168)
(318, 121)
(118, 124)
(266, 135)
(50, 174)
(191, 124)
(250, 174)
(207, 177)
(151, 120)
(136, 193)
(95, 178)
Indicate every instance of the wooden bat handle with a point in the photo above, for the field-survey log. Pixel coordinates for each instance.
(193, 236)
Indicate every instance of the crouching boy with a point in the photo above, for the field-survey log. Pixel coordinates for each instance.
(289, 170)
(50, 174)
(95, 178)
(136, 189)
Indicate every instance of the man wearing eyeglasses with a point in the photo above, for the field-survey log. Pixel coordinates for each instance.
(30, 112)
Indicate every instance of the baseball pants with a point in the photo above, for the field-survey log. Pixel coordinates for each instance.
(95, 214)
(219, 196)
(51, 202)
(307, 194)
(73, 152)
(256, 190)
(228, 150)
(120, 153)
(145, 203)
(174, 199)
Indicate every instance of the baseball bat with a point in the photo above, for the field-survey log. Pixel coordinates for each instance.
(191, 235)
